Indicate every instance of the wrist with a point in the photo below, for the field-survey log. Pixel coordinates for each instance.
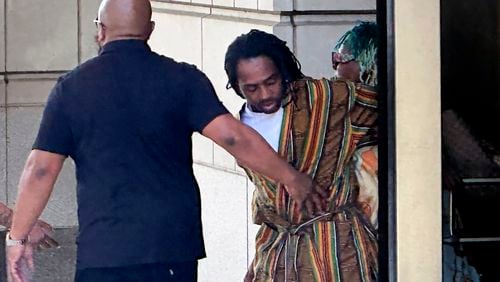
(291, 176)
(13, 241)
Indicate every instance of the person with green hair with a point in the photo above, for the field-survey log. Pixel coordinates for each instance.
(354, 57)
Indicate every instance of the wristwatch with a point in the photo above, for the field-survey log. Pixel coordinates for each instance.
(9, 242)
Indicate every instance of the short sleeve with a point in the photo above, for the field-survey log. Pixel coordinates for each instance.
(203, 103)
(54, 134)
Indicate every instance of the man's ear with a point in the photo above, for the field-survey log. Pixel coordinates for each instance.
(151, 27)
(101, 35)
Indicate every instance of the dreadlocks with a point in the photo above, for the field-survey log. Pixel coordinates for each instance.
(258, 43)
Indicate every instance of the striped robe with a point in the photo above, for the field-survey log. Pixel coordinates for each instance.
(322, 124)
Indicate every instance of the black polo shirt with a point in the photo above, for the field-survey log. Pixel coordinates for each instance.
(126, 118)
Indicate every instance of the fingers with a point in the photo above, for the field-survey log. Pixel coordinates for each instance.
(28, 256)
(51, 242)
(15, 275)
(249, 276)
(322, 192)
(319, 203)
(315, 205)
(17, 270)
(47, 243)
(44, 225)
(42, 236)
(309, 207)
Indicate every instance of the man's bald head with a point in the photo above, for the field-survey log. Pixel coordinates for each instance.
(125, 19)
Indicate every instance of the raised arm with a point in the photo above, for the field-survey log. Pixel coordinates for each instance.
(252, 151)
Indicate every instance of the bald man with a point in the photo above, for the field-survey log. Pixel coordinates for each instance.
(126, 118)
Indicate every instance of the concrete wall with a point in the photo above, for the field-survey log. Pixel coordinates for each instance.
(418, 140)
(40, 42)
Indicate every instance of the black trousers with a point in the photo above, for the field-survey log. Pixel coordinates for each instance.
(156, 272)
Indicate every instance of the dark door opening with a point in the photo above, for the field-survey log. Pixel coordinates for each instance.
(470, 45)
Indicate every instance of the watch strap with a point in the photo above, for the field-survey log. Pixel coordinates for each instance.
(9, 242)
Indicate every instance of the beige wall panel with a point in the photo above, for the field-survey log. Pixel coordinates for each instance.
(418, 146)
(29, 89)
(267, 5)
(335, 5)
(223, 158)
(3, 156)
(283, 5)
(41, 36)
(224, 214)
(252, 228)
(315, 40)
(22, 126)
(178, 37)
(203, 149)
(3, 145)
(2, 36)
(247, 4)
(207, 2)
(215, 44)
(3, 90)
(226, 3)
(88, 30)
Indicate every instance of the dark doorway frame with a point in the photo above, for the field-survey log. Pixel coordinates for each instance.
(387, 146)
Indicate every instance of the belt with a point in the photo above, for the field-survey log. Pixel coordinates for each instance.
(291, 235)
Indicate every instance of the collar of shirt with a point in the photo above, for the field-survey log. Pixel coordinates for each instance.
(125, 45)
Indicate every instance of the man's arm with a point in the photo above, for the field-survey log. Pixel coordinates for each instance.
(252, 151)
(364, 112)
(35, 186)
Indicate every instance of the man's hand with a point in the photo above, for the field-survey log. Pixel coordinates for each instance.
(42, 235)
(249, 275)
(306, 193)
(20, 264)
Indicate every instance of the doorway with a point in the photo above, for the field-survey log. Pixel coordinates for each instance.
(470, 44)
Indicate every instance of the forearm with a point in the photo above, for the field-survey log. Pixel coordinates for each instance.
(253, 152)
(35, 187)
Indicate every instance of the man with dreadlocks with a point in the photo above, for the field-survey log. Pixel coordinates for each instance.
(354, 57)
(316, 126)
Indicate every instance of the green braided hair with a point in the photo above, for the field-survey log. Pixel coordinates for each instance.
(362, 42)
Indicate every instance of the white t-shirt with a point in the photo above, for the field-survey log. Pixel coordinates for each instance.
(268, 125)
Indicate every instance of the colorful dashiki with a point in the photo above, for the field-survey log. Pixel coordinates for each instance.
(322, 124)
